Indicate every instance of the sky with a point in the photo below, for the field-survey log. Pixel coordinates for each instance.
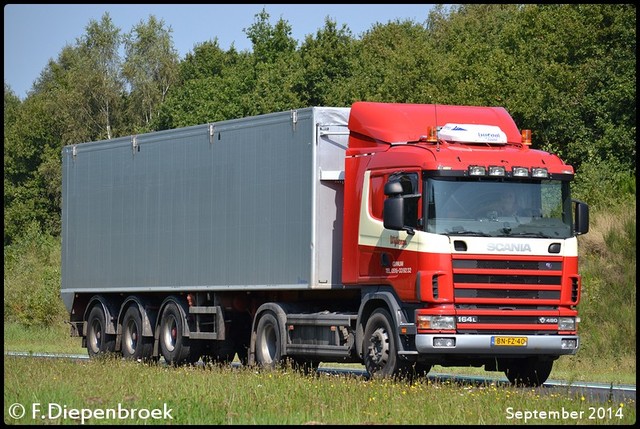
(37, 33)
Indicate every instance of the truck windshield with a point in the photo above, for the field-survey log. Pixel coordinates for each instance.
(464, 206)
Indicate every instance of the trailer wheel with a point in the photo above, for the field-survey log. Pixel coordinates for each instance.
(380, 351)
(530, 372)
(98, 341)
(134, 345)
(268, 350)
(175, 347)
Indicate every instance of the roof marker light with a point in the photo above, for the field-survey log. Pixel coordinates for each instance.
(477, 170)
(495, 170)
(539, 172)
(520, 172)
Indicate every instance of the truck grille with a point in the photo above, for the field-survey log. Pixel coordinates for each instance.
(513, 295)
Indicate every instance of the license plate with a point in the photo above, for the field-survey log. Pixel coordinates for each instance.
(509, 341)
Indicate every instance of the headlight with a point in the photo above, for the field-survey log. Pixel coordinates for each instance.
(567, 324)
(436, 322)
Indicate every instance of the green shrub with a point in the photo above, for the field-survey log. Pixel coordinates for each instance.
(32, 280)
(604, 184)
(608, 269)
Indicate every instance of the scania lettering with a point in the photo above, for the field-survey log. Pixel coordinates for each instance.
(372, 234)
(509, 247)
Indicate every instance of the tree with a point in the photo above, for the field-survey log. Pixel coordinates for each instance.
(76, 99)
(390, 62)
(213, 86)
(270, 42)
(30, 198)
(95, 77)
(277, 71)
(326, 62)
(151, 70)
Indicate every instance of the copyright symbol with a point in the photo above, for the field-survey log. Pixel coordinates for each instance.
(16, 411)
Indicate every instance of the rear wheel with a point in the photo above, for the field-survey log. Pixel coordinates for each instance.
(134, 345)
(530, 372)
(98, 341)
(268, 349)
(174, 346)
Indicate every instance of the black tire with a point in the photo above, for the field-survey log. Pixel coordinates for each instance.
(98, 341)
(134, 345)
(268, 348)
(379, 348)
(529, 372)
(176, 349)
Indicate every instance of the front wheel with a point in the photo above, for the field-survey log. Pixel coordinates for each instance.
(380, 350)
(529, 372)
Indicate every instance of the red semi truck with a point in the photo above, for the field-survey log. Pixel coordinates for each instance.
(399, 236)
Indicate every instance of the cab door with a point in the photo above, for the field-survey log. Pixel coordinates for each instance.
(390, 256)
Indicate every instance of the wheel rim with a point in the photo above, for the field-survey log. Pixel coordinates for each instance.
(95, 335)
(131, 337)
(268, 345)
(170, 333)
(379, 348)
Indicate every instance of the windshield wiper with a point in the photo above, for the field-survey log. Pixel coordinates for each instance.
(471, 233)
(523, 234)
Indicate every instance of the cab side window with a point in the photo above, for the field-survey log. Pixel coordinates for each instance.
(410, 187)
(377, 195)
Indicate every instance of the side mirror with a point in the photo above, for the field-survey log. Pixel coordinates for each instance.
(392, 189)
(393, 211)
(581, 217)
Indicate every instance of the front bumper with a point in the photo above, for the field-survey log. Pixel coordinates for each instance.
(484, 345)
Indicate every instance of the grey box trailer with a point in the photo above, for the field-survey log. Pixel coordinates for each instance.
(243, 204)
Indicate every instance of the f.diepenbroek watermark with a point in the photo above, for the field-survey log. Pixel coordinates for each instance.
(52, 411)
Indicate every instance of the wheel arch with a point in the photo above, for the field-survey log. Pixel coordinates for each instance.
(281, 315)
(107, 309)
(148, 321)
(183, 307)
(372, 301)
